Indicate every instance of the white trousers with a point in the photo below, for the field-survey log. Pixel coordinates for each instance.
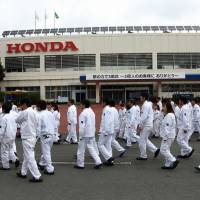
(6, 147)
(104, 145)
(46, 146)
(72, 133)
(145, 143)
(165, 151)
(183, 141)
(115, 144)
(156, 128)
(56, 135)
(122, 129)
(87, 143)
(29, 162)
(196, 126)
(12, 153)
(131, 137)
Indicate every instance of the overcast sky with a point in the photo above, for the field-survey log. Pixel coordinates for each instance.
(19, 14)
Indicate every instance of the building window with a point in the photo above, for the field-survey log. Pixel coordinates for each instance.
(70, 62)
(127, 61)
(174, 88)
(22, 64)
(178, 60)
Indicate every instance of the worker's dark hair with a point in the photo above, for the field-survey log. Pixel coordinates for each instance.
(145, 95)
(106, 101)
(55, 107)
(42, 105)
(86, 103)
(184, 100)
(132, 101)
(169, 107)
(121, 103)
(194, 99)
(71, 101)
(158, 107)
(112, 103)
(25, 101)
(7, 107)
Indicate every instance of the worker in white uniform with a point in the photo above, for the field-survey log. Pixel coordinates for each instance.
(87, 137)
(28, 122)
(72, 122)
(56, 115)
(122, 119)
(156, 121)
(132, 123)
(114, 143)
(106, 131)
(46, 130)
(168, 134)
(145, 129)
(196, 116)
(7, 137)
(184, 129)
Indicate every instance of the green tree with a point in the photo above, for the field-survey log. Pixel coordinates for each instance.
(2, 74)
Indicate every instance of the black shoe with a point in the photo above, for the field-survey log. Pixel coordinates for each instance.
(197, 168)
(180, 156)
(154, 136)
(34, 180)
(41, 167)
(109, 162)
(74, 143)
(164, 167)
(98, 166)
(78, 167)
(17, 163)
(190, 154)
(10, 161)
(140, 158)
(2, 168)
(58, 142)
(19, 174)
(48, 173)
(156, 153)
(175, 163)
(122, 153)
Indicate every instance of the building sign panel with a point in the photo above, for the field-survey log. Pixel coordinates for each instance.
(134, 76)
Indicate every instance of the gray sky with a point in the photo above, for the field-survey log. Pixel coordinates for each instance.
(19, 14)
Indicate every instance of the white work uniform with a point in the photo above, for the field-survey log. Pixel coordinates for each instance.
(72, 122)
(196, 118)
(156, 122)
(46, 130)
(56, 115)
(168, 134)
(122, 122)
(7, 137)
(87, 137)
(29, 122)
(106, 131)
(131, 125)
(184, 129)
(146, 125)
(114, 143)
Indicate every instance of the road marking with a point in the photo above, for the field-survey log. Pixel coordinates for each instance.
(89, 163)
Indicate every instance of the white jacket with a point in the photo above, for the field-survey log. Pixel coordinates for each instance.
(8, 128)
(107, 125)
(185, 118)
(87, 123)
(196, 113)
(122, 115)
(168, 127)
(56, 115)
(72, 115)
(132, 120)
(28, 122)
(116, 119)
(146, 119)
(46, 123)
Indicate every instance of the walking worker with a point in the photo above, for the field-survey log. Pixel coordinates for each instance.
(28, 122)
(87, 136)
(168, 134)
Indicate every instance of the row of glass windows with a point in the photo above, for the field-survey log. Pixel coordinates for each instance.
(174, 88)
(132, 61)
(70, 62)
(22, 64)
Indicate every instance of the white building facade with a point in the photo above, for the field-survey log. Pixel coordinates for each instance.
(94, 66)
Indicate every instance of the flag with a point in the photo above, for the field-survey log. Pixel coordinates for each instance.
(56, 15)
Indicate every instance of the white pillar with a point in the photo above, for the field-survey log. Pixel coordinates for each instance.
(154, 61)
(97, 92)
(42, 63)
(42, 92)
(98, 63)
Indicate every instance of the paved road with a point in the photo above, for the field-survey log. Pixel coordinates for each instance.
(142, 180)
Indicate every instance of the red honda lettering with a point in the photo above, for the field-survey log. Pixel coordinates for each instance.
(70, 46)
(41, 47)
(56, 46)
(13, 47)
(27, 47)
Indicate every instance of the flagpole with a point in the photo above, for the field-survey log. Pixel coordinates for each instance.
(35, 19)
(54, 23)
(45, 18)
